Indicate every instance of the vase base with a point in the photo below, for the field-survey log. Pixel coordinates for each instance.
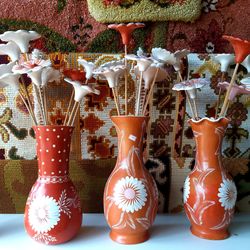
(215, 235)
(129, 238)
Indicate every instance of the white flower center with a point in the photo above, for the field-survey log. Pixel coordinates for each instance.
(129, 194)
(41, 213)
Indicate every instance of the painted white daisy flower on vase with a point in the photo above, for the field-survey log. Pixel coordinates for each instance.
(227, 194)
(130, 194)
(186, 189)
(44, 214)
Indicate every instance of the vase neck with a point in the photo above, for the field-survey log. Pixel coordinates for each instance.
(53, 149)
(209, 137)
(130, 132)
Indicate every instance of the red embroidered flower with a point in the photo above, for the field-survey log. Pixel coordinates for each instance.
(74, 74)
(126, 30)
(241, 48)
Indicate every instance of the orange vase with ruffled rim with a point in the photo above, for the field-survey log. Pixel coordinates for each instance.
(53, 212)
(130, 196)
(209, 191)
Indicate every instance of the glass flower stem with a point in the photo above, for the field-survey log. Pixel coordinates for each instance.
(126, 80)
(77, 109)
(150, 91)
(188, 97)
(195, 109)
(28, 108)
(117, 96)
(45, 103)
(116, 103)
(28, 98)
(42, 103)
(138, 96)
(144, 99)
(225, 103)
(69, 106)
(38, 102)
(72, 113)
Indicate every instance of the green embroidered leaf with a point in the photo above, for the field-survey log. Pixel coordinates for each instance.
(61, 5)
(6, 116)
(18, 133)
(4, 134)
(13, 154)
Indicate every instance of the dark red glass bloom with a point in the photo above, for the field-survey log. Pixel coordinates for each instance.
(241, 48)
(126, 30)
(74, 74)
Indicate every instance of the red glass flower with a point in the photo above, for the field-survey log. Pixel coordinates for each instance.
(74, 74)
(241, 48)
(126, 30)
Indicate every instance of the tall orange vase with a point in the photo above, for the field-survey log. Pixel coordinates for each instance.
(53, 212)
(209, 191)
(130, 196)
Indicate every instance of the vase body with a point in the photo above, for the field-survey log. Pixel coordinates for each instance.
(209, 192)
(53, 212)
(130, 196)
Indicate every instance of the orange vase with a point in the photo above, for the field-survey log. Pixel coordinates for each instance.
(209, 191)
(53, 212)
(130, 196)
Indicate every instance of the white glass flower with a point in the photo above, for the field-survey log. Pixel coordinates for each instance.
(130, 194)
(163, 56)
(44, 214)
(149, 74)
(227, 194)
(225, 60)
(179, 54)
(12, 50)
(142, 62)
(88, 67)
(111, 74)
(81, 90)
(113, 64)
(191, 86)
(49, 74)
(186, 189)
(246, 82)
(246, 63)
(140, 52)
(8, 78)
(21, 38)
(38, 55)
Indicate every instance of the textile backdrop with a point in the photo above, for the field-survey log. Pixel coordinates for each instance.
(67, 26)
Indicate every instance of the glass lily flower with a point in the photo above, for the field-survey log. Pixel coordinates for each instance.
(179, 54)
(246, 82)
(81, 90)
(235, 91)
(246, 63)
(8, 78)
(111, 74)
(163, 56)
(241, 48)
(88, 67)
(49, 74)
(33, 68)
(191, 86)
(12, 50)
(148, 75)
(21, 38)
(225, 60)
(142, 62)
(126, 30)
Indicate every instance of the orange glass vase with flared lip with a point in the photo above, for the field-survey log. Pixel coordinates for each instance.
(130, 196)
(209, 192)
(53, 212)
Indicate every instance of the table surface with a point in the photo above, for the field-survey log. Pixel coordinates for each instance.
(169, 232)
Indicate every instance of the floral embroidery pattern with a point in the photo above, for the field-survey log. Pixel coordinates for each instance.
(130, 194)
(227, 194)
